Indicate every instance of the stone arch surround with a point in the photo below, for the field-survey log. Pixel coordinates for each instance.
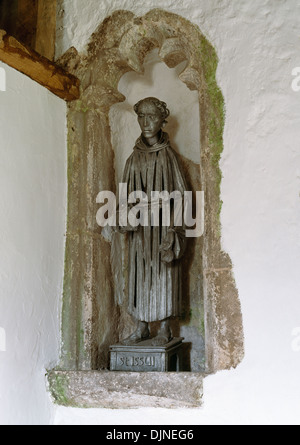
(91, 320)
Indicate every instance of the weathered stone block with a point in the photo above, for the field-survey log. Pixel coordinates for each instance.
(144, 357)
(118, 390)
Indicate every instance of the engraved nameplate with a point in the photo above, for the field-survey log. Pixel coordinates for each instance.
(146, 358)
(128, 361)
(132, 362)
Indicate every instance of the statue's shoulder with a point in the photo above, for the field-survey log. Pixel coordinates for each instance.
(172, 153)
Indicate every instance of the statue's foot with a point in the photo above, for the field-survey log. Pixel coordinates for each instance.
(136, 337)
(161, 340)
(164, 335)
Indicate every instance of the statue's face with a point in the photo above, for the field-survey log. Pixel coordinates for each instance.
(150, 119)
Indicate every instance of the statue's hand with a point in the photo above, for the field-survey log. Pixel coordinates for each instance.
(167, 254)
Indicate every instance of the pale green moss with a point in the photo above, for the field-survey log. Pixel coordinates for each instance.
(58, 387)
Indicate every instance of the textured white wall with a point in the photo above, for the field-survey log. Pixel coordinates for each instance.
(32, 226)
(257, 42)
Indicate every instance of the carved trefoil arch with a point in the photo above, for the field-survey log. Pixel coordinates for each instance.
(91, 321)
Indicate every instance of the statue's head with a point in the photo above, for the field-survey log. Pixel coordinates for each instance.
(152, 114)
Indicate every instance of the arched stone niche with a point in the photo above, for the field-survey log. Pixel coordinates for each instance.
(91, 318)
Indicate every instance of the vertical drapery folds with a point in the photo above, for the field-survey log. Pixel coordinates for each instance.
(154, 285)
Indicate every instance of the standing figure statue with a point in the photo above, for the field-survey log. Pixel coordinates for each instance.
(155, 292)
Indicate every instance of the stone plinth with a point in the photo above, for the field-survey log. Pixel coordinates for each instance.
(144, 357)
(118, 390)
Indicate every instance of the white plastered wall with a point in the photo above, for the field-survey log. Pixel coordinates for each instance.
(32, 227)
(257, 42)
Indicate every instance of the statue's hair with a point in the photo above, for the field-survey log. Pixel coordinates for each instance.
(160, 105)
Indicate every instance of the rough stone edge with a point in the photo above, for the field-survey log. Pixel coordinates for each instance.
(118, 390)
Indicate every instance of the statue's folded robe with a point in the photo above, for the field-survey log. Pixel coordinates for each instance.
(154, 286)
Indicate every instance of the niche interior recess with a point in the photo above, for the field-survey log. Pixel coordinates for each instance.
(91, 319)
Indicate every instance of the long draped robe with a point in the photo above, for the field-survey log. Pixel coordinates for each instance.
(154, 286)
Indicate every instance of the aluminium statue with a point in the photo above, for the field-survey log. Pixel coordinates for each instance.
(154, 251)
